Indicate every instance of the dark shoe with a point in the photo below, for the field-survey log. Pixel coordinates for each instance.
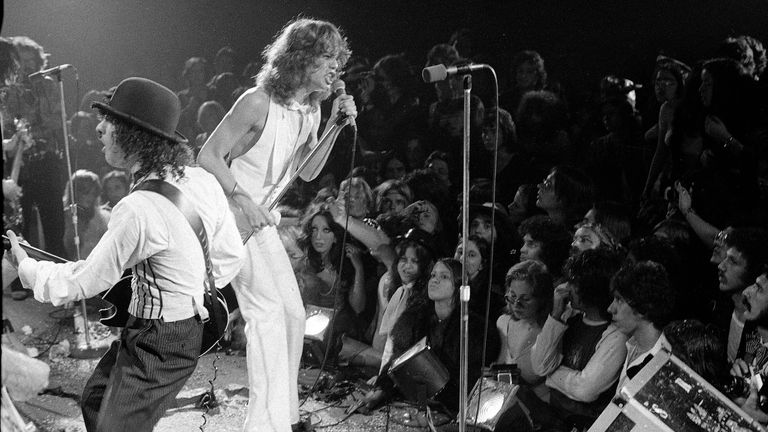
(303, 426)
(20, 294)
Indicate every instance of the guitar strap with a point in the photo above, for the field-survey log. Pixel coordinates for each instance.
(174, 195)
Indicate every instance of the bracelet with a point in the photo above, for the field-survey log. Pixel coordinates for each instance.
(232, 192)
(728, 142)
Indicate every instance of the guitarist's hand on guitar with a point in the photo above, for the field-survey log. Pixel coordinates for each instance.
(258, 216)
(17, 254)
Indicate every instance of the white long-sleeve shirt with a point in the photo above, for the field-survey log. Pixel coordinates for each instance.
(149, 234)
(600, 372)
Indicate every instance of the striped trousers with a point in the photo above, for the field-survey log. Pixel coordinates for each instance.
(138, 379)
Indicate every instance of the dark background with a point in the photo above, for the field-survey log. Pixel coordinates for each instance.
(580, 40)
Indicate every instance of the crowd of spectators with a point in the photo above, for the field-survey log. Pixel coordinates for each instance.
(592, 230)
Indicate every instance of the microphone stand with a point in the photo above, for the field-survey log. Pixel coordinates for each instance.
(464, 290)
(72, 203)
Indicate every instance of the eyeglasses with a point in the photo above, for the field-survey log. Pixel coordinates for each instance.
(514, 301)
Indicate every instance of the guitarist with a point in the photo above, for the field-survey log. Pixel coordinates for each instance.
(266, 135)
(141, 374)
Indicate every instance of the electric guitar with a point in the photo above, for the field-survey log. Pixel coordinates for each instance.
(114, 312)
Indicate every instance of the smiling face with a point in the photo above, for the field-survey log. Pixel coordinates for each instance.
(440, 287)
(323, 237)
(408, 266)
(474, 258)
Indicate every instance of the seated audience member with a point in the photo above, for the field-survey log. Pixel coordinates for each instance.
(565, 195)
(115, 186)
(701, 347)
(400, 285)
(528, 297)
(92, 218)
(545, 241)
(435, 315)
(320, 280)
(478, 275)
(752, 357)
(643, 303)
(581, 354)
(360, 196)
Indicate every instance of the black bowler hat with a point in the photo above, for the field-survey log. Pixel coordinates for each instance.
(146, 104)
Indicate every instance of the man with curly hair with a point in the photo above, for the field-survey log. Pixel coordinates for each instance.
(253, 153)
(643, 303)
(141, 374)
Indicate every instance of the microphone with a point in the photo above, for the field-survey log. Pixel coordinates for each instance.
(439, 72)
(340, 88)
(49, 71)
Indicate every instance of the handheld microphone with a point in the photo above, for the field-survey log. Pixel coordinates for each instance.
(49, 71)
(340, 88)
(439, 72)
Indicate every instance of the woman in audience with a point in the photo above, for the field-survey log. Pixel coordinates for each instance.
(478, 274)
(527, 74)
(434, 314)
(529, 300)
(325, 280)
(669, 80)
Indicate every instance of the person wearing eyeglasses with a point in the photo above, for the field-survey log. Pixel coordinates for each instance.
(529, 300)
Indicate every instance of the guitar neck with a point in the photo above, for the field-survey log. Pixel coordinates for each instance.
(34, 252)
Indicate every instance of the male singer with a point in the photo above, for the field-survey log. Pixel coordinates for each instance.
(266, 135)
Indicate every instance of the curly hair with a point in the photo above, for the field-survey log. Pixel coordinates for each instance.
(155, 154)
(645, 287)
(591, 272)
(751, 242)
(289, 59)
(554, 238)
(24, 43)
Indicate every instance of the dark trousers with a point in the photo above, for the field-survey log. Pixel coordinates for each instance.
(138, 379)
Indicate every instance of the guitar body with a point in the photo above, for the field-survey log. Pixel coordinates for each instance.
(119, 298)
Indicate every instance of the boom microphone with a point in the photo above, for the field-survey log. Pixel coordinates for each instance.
(339, 88)
(49, 71)
(439, 72)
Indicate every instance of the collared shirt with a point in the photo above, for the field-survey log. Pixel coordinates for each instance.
(639, 358)
(148, 233)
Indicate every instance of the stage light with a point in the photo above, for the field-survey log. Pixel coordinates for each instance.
(488, 400)
(317, 320)
(418, 373)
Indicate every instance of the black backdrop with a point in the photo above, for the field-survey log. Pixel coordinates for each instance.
(108, 40)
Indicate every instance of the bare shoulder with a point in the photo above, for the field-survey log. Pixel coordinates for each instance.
(254, 98)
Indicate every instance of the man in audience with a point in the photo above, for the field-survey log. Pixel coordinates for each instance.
(642, 305)
(581, 354)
